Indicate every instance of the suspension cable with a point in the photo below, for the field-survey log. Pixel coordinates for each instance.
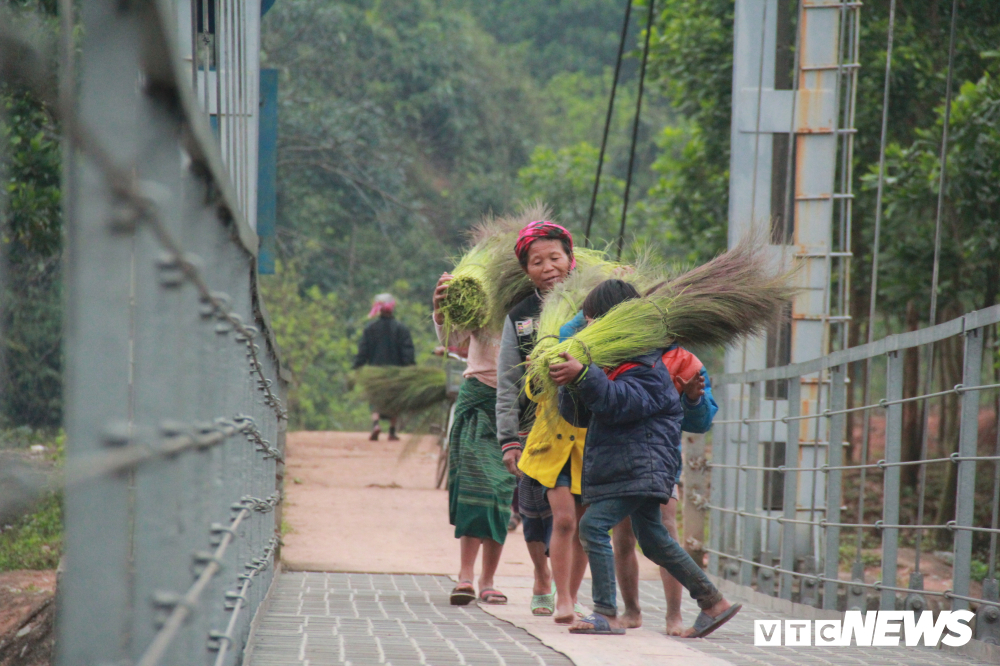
(635, 128)
(607, 123)
(922, 478)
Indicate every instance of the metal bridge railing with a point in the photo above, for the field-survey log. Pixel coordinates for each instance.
(791, 548)
(173, 388)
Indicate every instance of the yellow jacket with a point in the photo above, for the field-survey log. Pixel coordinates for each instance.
(551, 441)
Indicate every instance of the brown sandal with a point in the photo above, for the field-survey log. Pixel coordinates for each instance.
(463, 593)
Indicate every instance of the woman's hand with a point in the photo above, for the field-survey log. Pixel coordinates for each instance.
(564, 373)
(693, 388)
(510, 460)
(440, 292)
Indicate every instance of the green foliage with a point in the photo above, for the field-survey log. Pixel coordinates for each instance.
(556, 36)
(685, 211)
(34, 541)
(564, 179)
(401, 124)
(979, 570)
(971, 205)
(31, 166)
(30, 242)
(690, 62)
(316, 339)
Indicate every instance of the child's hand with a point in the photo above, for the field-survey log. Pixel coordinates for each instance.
(693, 388)
(564, 373)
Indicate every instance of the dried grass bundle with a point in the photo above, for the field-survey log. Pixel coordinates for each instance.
(489, 280)
(403, 390)
(735, 295)
(466, 303)
(470, 303)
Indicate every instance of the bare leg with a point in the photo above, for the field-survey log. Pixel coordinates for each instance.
(469, 551)
(627, 572)
(565, 551)
(580, 560)
(543, 576)
(375, 427)
(491, 560)
(672, 589)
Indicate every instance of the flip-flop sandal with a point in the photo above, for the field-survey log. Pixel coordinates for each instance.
(492, 597)
(543, 604)
(463, 594)
(601, 627)
(705, 624)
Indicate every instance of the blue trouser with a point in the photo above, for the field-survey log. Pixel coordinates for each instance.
(656, 543)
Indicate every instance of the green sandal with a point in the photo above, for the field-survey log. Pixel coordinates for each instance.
(543, 604)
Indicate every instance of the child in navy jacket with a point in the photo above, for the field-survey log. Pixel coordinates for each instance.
(631, 462)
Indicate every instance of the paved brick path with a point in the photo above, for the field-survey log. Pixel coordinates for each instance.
(317, 619)
(344, 485)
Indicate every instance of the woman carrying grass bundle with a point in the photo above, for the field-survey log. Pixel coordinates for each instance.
(480, 488)
(631, 462)
(549, 486)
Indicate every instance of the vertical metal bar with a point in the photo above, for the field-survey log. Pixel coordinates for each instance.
(890, 479)
(834, 457)
(96, 347)
(715, 517)
(241, 110)
(734, 456)
(165, 540)
(751, 523)
(791, 489)
(965, 501)
(995, 504)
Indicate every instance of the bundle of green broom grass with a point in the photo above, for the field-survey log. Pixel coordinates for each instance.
(565, 300)
(403, 390)
(488, 280)
(733, 296)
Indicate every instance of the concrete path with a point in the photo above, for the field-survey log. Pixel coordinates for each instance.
(358, 506)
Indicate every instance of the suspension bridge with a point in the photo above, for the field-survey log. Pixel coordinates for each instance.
(175, 476)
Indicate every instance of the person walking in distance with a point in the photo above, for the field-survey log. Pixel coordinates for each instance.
(385, 341)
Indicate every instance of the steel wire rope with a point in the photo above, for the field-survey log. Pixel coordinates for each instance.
(607, 122)
(996, 488)
(738, 540)
(785, 224)
(873, 293)
(932, 315)
(635, 128)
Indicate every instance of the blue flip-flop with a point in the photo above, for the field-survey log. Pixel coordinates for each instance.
(706, 624)
(600, 625)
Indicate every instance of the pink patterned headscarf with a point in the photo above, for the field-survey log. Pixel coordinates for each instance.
(542, 230)
(384, 303)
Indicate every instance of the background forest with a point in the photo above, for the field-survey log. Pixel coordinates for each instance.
(402, 123)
